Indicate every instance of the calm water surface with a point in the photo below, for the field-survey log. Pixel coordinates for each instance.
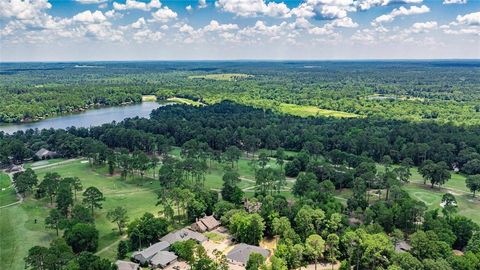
(89, 118)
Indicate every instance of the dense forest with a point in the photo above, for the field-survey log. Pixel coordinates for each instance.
(441, 91)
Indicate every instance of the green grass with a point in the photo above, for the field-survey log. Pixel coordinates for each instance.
(456, 183)
(19, 232)
(305, 111)
(467, 205)
(4, 180)
(149, 98)
(221, 77)
(215, 237)
(185, 101)
(7, 191)
(136, 195)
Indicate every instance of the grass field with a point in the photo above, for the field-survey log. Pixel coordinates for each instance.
(185, 101)
(305, 111)
(221, 77)
(19, 231)
(7, 191)
(149, 98)
(467, 205)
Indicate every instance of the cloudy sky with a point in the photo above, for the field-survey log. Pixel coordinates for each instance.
(64, 30)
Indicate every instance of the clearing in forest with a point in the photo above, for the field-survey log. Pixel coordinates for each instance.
(149, 98)
(185, 101)
(222, 77)
(305, 111)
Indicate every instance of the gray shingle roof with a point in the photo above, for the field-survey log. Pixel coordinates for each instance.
(182, 235)
(163, 258)
(241, 252)
(151, 250)
(124, 265)
(210, 222)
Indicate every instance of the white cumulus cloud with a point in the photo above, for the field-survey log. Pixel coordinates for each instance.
(133, 4)
(90, 17)
(164, 14)
(449, 2)
(423, 26)
(91, 1)
(367, 4)
(251, 8)
(402, 11)
(469, 19)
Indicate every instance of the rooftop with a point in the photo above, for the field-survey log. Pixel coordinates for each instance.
(151, 250)
(241, 252)
(163, 258)
(182, 235)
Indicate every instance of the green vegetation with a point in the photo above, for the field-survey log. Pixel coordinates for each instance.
(305, 111)
(117, 193)
(149, 98)
(7, 191)
(185, 101)
(467, 206)
(215, 237)
(323, 188)
(439, 91)
(221, 77)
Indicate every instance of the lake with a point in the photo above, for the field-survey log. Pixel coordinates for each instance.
(89, 118)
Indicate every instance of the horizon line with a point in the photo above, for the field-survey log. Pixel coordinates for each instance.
(247, 60)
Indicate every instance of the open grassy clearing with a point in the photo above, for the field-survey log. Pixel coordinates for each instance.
(305, 111)
(19, 232)
(117, 192)
(149, 98)
(221, 77)
(467, 205)
(136, 195)
(456, 182)
(185, 101)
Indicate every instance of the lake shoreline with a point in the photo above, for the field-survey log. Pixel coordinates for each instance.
(94, 116)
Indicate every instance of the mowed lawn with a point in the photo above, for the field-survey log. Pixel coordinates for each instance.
(467, 205)
(19, 231)
(456, 182)
(7, 191)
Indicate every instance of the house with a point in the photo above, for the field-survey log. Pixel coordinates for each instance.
(240, 253)
(205, 224)
(45, 154)
(183, 235)
(14, 168)
(162, 259)
(147, 254)
(402, 246)
(124, 265)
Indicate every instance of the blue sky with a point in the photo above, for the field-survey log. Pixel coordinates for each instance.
(74, 30)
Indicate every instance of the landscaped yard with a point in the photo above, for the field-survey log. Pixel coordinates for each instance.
(138, 196)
